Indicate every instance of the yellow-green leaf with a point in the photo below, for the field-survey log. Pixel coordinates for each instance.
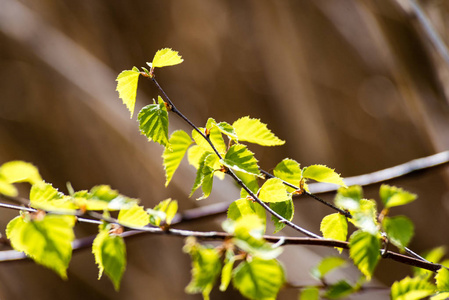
(392, 196)
(327, 265)
(364, 250)
(166, 57)
(322, 173)
(46, 239)
(7, 188)
(110, 255)
(289, 171)
(179, 142)
(335, 227)
(153, 122)
(442, 279)
(411, 289)
(273, 190)
(163, 211)
(20, 171)
(135, 216)
(127, 88)
(399, 230)
(239, 158)
(286, 209)
(254, 131)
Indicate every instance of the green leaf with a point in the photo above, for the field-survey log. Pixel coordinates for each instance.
(153, 122)
(179, 142)
(134, 216)
(20, 171)
(335, 227)
(399, 230)
(411, 289)
(206, 267)
(244, 207)
(165, 57)
(110, 255)
(289, 171)
(440, 296)
(164, 211)
(310, 293)
(259, 279)
(215, 137)
(102, 197)
(254, 131)
(349, 198)
(127, 88)
(434, 255)
(365, 217)
(392, 196)
(327, 265)
(44, 196)
(442, 279)
(286, 209)
(322, 173)
(339, 290)
(195, 155)
(47, 239)
(205, 175)
(226, 274)
(273, 190)
(250, 181)
(223, 127)
(239, 158)
(364, 250)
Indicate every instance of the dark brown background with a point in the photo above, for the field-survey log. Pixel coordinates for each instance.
(355, 85)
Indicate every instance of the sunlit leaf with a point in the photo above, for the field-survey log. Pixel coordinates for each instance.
(226, 274)
(322, 173)
(206, 267)
(335, 227)
(327, 265)
(364, 250)
(224, 128)
(7, 188)
(134, 216)
(166, 57)
(44, 196)
(127, 88)
(244, 207)
(435, 255)
(411, 289)
(349, 198)
(365, 217)
(273, 190)
(254, 131)
(250, 181)
(214, 135)
(442, 279)
(259, 279)
(205, 175)
(399, 230)
(286, 209)
(47, 239)
(110, 255)
(179, 142)
(153, 122)
(289, 171)
(20, 171)
(163, 211)
(392, 196)
(239, 158)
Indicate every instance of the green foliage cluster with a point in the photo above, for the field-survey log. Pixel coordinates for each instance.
(245, 259)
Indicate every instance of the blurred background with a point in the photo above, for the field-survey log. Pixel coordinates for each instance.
(355, 85)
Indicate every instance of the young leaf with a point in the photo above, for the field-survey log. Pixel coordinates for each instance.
(239, 158)
(289, 171)
(339, 290)
(46, 239)
(179, 142)
(45, 196)
(322, 174)
(20, 171)
(153, 122)
(214, 135)
(310, 293)
(195, 155)
(250, 181)
(399, 230)
(411, 289)
(286, 209)
(205, 175)
(349, 198)
(335, 227)
(7, 188)
(364, 250)
(127, 88)
(226, 274)
(273, 190)
(223, 127)
(206, 267)
(393, 196)
(244, 207)
(164, 211)
(254, 131)
(134, 216)
(442, 279)
(327, 265)
(435, 255)
(165, 57)
(259, 279)
(110, 255)
(365, 217)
